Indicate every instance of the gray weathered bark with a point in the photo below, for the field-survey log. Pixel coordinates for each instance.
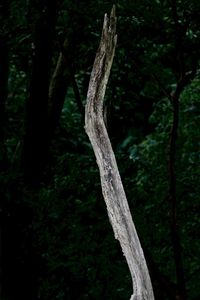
(112, 188)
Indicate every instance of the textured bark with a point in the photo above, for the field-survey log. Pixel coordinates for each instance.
(112, 188)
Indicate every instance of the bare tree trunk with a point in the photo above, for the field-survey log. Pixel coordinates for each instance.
(4, 73)
(3, 151)
(36, 136)
(175, 235)
(183, 80)
(3, 99)
(112, 188)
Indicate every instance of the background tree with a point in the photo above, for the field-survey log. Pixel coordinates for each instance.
(36, 131)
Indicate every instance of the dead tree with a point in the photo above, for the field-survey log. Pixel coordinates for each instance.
(112, 188)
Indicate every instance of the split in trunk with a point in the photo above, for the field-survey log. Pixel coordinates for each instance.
(112, 188)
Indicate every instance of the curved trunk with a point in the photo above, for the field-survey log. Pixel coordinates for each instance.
(112, 188)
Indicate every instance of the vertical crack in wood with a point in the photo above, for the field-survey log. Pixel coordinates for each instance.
(112, 188)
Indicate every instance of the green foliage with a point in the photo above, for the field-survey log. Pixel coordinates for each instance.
(60, 228)
(149, 158)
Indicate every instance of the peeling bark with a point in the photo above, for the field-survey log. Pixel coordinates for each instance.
(112, 188)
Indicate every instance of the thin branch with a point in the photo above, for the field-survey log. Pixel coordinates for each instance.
(158, 82)
(161, 86)
(77, 94)
(75, 87)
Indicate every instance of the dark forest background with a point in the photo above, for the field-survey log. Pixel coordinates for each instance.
(55, 238)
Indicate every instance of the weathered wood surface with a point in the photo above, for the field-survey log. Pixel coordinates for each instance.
(112, 188)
